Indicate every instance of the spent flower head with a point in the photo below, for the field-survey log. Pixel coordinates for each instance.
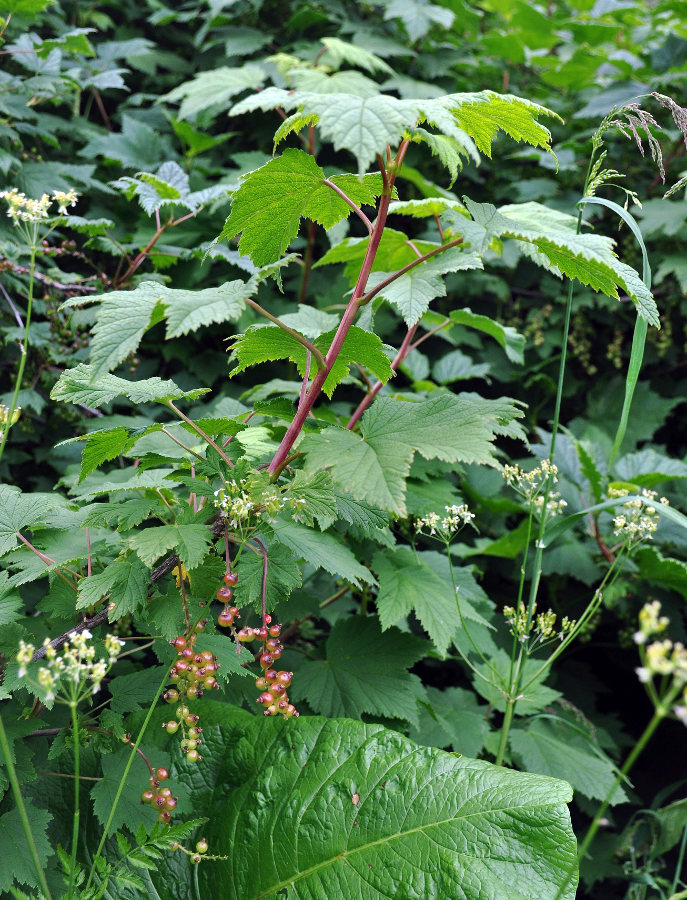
(537, 628)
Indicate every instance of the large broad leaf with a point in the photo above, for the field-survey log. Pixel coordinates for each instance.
(373, 466)
(16, 863)
(82, 385)
(339, 809)
(268, 206)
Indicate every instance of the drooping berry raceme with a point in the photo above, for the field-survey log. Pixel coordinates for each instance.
(272, 683)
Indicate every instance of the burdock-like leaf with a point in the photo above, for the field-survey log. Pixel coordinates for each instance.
(339, 809)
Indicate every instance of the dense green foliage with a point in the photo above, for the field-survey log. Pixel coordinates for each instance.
(376, 313)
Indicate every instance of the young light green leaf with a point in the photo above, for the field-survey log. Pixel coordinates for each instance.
(365, 672)
(315, 499)
(374, 465)
(271, 201)
(102, 446)
(234, 659)
(473, 830)
(264, 343)
(82, 385)
(339, 51)
(418, 16)
(190, 541)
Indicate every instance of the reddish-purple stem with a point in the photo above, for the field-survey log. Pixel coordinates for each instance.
(349, 315)
(306, 378)
(232, 436)
(403, 351)
(414, 249)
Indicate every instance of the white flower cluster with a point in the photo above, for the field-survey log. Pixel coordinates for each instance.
(665, 658)
(640, 519)
(532, 486)
(21, 208)
(75, 672)
(444, 527)
(540, 625)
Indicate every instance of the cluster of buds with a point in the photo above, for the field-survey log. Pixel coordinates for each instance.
(532, 486)
(446, 526)
(21, 208)
(272, 683)
(640, 519)
(75, 672)
(244, 502)
(663, 657)
(539, 627)
(160, 798)
(5, 418)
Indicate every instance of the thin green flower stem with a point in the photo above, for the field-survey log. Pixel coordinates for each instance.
(659, 714)
(206, 437)
(595, 602)
(122, 781)
(513, 693)
(678, 865)
(75, 823)
(19, 800)
(521, 589)
(24, 351)
(465, 628)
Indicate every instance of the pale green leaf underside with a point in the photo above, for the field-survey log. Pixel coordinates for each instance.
(214, 88)
(123, 317)
(587, 257)
(81, 385)
(323, 811)
(412, 293)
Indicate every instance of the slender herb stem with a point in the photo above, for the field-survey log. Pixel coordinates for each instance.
(75, 823)
(19, 800)
(354, 206)
(23, 348)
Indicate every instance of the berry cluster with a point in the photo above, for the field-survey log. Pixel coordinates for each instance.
(160, 797)
(224, 595)
(193, 672)
(272, 683)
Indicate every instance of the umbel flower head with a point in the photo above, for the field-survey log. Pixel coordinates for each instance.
(75, 672)
(21, 208)
(661, 657)
(444, 527)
